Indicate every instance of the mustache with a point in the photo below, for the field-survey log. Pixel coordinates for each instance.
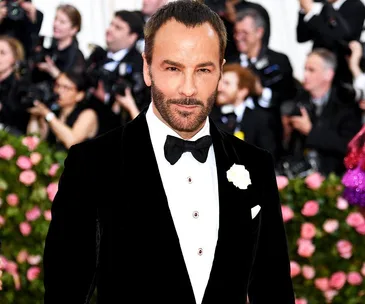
(186, 102)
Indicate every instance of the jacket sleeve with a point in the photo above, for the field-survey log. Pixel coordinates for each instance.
(70, 248)
(270, 278)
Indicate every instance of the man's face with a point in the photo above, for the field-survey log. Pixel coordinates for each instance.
(184, 75)
(331, 1)
(246, 35)
(119, 36)
(149, 7)
(228, 89)
(315, 74)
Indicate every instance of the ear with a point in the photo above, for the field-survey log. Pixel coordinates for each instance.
(74, 31)
(329, 75)
(221, 73)
(242, 93)
(80, 96)
(260, 32)
(146, 71)
(133, 38)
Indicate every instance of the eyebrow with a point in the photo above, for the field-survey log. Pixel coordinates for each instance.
(180, 65)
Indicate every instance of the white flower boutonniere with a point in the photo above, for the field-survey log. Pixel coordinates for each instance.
(239, 176)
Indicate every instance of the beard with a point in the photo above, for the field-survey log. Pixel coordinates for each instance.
(179, 120)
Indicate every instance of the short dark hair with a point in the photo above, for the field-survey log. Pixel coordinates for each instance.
(327, 56)
(191, 14)
(255, 15)
(77, 78)
(133, 20)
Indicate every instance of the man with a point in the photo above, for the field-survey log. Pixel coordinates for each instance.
(236, 110)
(118, 67)
(332, 25)
(171, 229)
(323, 120)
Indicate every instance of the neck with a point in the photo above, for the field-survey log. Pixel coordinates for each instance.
(65, 111)
(5, 74)
(255, 51)
(321, 91)
(64, 43)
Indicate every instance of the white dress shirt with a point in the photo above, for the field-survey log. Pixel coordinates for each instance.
(191, 188)
(116, 57)
(317, 8)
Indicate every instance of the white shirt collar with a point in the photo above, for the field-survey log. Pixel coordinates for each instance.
(337, 5)
(244, 58)
(117, 56)
(159, 130)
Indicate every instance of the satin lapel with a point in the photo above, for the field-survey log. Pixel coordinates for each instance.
(157, 222)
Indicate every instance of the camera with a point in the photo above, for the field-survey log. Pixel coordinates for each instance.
(296, 109)
(42, 92)
(15, 11)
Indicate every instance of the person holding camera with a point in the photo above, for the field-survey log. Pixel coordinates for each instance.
(332, 25)
(64, 53)
(114, 70)
(21, 20)
(74, 122)
(13, 116)
(322, 122)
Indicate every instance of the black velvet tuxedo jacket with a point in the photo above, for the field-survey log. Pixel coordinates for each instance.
(111, 227)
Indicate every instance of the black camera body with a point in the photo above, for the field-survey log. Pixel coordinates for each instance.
(15, 11)
(41, 91)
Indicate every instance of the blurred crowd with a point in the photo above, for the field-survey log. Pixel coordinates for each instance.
(48, 87)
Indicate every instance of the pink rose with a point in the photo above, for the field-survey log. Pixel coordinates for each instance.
(27, 177)
(342, 204)
(2, 221)
(35, 158)
(294, 269)
(25, 228)
(52, 191)
(355, 219)
(33, 273)
(31, 142)
(24, 162)
(287, 213)
(53, 169)
(361, 229)
(7, 152)
(337, 280)
(363, 269)
(314, 181)
(330, 294)
(34, 259)
(330, 225)
(47, 215)
(11, 267)
(308, 272)
(306, 248)
(22, 256)
(354, 278)
(12, 199)
(310, 208)
(308, 231)
(322, 284)
(16, 279)
(344, 248)
(301, 301)
(282, 182)
(33, 214)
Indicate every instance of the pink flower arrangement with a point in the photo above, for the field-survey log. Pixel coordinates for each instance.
(22, 256)
(354, 278)
(355, 219)
(314, 181)
(338, 280)
(2, 221)
(344, 248)
(342, 204)
(282, 182)
(330, 225)
(35, 158)
(33, 273)
(287, 213)
(33, 214)
(301, 301)
(305, 248)
(294, 269)
(53, 169)
(308, 272)
(310, 208)
(52, 191)
(25, 228)
(7, 152)
(308, 231)
(31, 142)
(47, 215)
(12, 199)
(27, 177)
(24, 162)
(322, 284)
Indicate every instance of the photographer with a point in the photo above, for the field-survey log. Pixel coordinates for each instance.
(21, 20)
(64, 53)
(118, 67)
(13, 117)
(322, 122)
(73, 123)
(332, 25)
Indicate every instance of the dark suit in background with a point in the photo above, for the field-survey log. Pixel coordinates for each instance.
(333, 30)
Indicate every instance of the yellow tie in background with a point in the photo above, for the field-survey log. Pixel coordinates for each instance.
(239, 134)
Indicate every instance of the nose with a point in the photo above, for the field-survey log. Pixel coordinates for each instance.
(188, 87)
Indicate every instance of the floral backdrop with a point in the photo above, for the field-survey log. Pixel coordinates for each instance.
(325, 233)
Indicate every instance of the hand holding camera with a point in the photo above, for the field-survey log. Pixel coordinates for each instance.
(302, 123)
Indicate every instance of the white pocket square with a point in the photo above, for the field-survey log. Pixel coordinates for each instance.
(255, 210)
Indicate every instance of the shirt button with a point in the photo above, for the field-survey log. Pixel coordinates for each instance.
(200, 251)
(190, 180)
(195, 214)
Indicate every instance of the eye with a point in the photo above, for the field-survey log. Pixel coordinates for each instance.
(172, 69)
(205, 71)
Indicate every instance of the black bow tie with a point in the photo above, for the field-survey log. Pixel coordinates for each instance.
(175, 147)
